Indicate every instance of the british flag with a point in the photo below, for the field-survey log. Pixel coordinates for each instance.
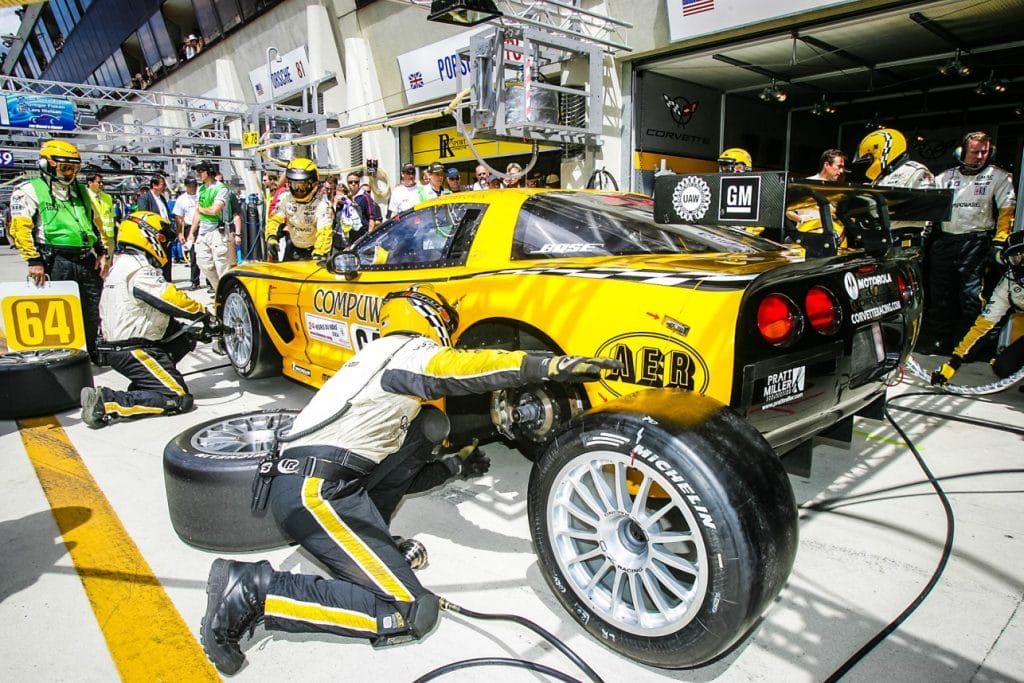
(697, 6)
(416, 80)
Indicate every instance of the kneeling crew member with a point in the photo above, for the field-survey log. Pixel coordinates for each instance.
(336, 502)
(1007, 297)
(141, 342)
(303, 214)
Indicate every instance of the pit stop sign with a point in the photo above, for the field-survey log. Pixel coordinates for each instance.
(47, 317)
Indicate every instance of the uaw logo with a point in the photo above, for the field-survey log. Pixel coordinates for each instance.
(681, 109)
(691, 198)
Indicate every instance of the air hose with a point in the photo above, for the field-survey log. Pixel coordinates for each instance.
(446, 604)
(978, 390)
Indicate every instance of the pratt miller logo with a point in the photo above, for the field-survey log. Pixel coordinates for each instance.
(681, 109)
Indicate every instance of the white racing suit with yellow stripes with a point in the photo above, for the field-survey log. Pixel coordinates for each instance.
(1007, 297)
(136, 309)
(344, 524)
(309, 226)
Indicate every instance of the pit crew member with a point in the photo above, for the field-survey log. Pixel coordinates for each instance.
(59, 233)
(308, 216)
(1007, 297)
(139, 339)
(982, 218)
(335, 501)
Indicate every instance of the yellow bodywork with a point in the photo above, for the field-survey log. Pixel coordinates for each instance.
(666, 335)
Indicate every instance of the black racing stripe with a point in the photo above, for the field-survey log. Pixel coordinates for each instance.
(694, 280)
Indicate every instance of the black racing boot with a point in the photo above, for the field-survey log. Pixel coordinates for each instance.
(93, 413)
(235, 593)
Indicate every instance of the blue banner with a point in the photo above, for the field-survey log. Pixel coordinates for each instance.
(36, 111)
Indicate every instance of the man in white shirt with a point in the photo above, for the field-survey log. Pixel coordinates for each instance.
(407, 194)
(184, 210)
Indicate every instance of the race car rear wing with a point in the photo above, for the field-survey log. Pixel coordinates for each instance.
(761, 200)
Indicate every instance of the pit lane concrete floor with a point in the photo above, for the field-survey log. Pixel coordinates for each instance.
(858, 566)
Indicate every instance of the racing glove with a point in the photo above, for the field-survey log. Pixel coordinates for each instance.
(468, 462)
(946, 371)
(576, 368)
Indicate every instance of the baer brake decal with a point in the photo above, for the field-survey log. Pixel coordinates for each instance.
(656, 361)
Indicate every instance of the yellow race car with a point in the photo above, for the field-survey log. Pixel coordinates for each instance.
(662, 516)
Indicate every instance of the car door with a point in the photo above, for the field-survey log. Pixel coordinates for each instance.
(425, 245)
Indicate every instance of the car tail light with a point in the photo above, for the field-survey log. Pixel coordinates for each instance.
(906, 290)
(779, 320)
(823, 310)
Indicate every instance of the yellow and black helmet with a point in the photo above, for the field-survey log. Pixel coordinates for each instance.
(60, 160)
(147, 232)
(735, 160)
(303, 179)
(880, 151)
(419, 310)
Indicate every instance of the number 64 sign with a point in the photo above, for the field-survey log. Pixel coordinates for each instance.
(47, 317)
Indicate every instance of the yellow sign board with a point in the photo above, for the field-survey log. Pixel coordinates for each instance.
(446, 145)
(43, 322)
(250, 138)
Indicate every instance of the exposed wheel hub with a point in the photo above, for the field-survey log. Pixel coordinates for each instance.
(624, 542)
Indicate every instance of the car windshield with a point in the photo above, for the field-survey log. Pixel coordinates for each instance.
(556, 224)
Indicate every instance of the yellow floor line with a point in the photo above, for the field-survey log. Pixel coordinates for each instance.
(148, 639)
(882, 439)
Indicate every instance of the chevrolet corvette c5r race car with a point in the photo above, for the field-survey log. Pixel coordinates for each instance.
(660, 511)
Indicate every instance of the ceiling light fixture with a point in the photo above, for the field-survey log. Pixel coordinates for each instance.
(955, 67)
(463, 12)
(822, 108)
(773, 93)
(991, 86)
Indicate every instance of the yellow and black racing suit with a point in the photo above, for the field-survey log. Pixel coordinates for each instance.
(336, 508)
(141, 343)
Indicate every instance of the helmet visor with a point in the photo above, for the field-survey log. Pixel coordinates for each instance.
(66, 170)
(300, 188)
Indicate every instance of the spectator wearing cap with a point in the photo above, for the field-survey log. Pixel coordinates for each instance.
(494, 182)
(553, 181)
(190, 47)
(481, 174)
(535, 180)
(184, 210)
(407, 193)
(514, 175)
(207, 233)
(454, 180)
(435, 185)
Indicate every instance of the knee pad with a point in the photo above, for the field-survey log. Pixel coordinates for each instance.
(418, 619)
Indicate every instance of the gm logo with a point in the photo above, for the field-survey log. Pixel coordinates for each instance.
(739, 197)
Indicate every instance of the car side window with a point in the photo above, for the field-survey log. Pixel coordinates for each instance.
(432, 236)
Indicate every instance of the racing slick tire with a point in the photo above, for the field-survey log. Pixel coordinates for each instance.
(45, 382)
(246, 342)
(208, 475)
(664, 524)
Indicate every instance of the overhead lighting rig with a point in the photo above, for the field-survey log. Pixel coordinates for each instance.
(773, 93)
(956, 67)
(822, 108)
(463, 12)
(991, 86)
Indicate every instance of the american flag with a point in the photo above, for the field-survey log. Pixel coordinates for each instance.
(259, 88)
(697, 6)
(416, 80)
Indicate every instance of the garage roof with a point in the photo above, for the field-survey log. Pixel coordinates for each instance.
(861, 61)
